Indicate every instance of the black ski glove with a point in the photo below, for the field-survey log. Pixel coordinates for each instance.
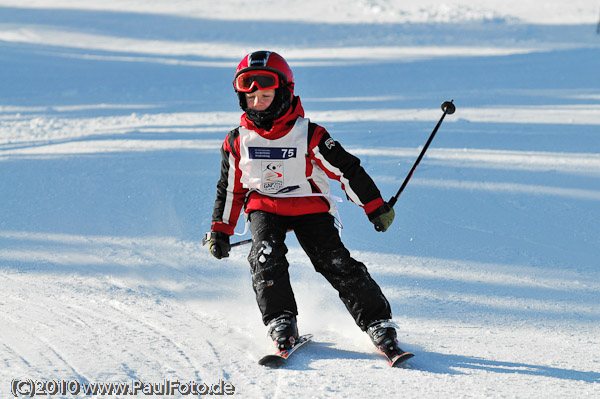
(218, 244)
(382, 217)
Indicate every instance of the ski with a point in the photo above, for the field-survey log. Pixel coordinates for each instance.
(278, 358)
(398, 358)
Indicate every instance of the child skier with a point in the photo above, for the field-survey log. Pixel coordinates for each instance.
(277, 165)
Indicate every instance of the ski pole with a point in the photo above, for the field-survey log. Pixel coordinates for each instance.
(448, 108)
(236, 244)
(206, 239)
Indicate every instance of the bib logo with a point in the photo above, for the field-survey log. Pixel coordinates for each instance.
(272, 177)
(329, 143)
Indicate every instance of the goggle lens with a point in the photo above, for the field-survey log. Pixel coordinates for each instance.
(262, 80)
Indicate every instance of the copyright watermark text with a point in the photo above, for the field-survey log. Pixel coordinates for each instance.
(27, 387)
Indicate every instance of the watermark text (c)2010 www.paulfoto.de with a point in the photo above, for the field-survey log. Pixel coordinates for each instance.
(28, 387)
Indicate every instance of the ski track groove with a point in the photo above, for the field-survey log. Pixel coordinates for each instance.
(57, 353)
(79, 375)
(50, 308)
(15, 354)
(163, 336)
(215, 353)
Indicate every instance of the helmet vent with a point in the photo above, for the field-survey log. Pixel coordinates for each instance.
(259, 58)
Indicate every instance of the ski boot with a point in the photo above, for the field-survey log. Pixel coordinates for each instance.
(383, 335)
(284, 331)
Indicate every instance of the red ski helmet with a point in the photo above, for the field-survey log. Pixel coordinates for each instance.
(268, 61)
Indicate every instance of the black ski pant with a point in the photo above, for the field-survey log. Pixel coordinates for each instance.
(320, 240)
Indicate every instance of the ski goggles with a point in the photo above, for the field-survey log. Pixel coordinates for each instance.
(247, 82)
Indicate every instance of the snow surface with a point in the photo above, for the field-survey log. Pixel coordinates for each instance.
(111, 117)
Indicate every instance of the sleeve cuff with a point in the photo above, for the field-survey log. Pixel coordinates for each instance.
(223, 228)
(373, 205)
